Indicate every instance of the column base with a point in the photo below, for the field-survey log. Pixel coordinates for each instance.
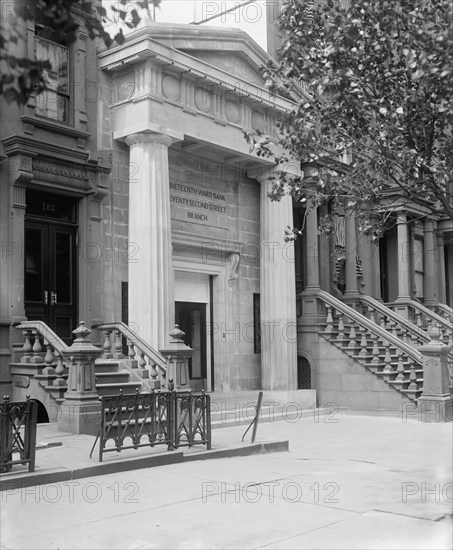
(435, 408)
(402, 309)
(80, 417)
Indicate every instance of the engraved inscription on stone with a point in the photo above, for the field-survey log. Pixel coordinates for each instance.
(198, 204)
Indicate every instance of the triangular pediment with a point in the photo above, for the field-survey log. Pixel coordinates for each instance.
(233, 63)
(230, 50)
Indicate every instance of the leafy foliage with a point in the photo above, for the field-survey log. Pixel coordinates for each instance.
(375, 119)
(21, 75)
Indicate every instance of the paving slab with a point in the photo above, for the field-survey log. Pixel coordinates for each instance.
(63, 456)
(363, 482)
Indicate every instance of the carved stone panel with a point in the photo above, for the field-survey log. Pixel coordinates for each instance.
(171, 88)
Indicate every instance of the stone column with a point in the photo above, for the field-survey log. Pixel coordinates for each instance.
(448, 275)
(351, 292)
(311, 227)
(441, 268)
(436, 403)
(151, 280)
(278, 292)
(404, 293)
(430, 260)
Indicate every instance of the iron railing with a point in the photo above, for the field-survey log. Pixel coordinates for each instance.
(163, 417)
(18, 420)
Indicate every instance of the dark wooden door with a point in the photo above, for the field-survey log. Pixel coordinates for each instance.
(50, 276)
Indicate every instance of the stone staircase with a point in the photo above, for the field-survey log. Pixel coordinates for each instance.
(383, 342)
(38, 367)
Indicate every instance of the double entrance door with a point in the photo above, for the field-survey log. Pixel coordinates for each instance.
(50, 274)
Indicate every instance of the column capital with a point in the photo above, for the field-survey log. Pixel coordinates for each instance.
(261, 172)
(147, 137)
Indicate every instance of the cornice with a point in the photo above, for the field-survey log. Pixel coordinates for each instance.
(143, 48)
(16, 144)
(54, 127)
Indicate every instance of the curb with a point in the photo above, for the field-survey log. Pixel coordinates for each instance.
(21, 480)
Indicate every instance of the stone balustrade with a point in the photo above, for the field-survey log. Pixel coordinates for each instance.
(148, 362)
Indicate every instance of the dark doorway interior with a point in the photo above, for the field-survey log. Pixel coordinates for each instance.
(191, 318)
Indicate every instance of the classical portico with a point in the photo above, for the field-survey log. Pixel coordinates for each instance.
(173, 89)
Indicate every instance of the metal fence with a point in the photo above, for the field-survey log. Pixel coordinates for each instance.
(18, 420)
(171, 418)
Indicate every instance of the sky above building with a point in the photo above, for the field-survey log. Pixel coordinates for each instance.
(255, 17)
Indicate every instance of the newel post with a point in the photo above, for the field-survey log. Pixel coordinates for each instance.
(80, 409)
(177, 355)
(436, 403)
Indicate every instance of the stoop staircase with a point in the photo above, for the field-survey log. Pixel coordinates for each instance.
(382, 341)
(40, 363)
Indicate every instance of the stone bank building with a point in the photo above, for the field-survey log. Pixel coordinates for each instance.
(129, 194)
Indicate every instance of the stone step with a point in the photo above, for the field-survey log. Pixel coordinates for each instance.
(101, 366)
(103, 378)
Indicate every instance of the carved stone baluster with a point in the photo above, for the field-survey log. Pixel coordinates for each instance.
(329, 320)
(118, 346)
(387, 358)
(413, 377)
(59, 371)
(418, 319)
(400, 367)
(162, 377)
(27, 348)
(153, 371)
(341, 334)
(48, 359)
(363, 344)
(107, 346)
(352, 335)
(131, 352)
(382, 322)
(393, 326)
(37, 349)
(48, 370)
(371, 311)
(375, 359)
(142, 361)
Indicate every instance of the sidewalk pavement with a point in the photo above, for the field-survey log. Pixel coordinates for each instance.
(347, 482)
(63, 456)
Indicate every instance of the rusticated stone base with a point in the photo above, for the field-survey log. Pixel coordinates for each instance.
(435, 408)
(80, 417)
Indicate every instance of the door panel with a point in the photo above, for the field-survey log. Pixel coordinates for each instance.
(50, 276)
(62, 295)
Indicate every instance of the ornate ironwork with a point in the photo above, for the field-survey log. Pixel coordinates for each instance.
(162, 417)
(192, 419)
(18, 420)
